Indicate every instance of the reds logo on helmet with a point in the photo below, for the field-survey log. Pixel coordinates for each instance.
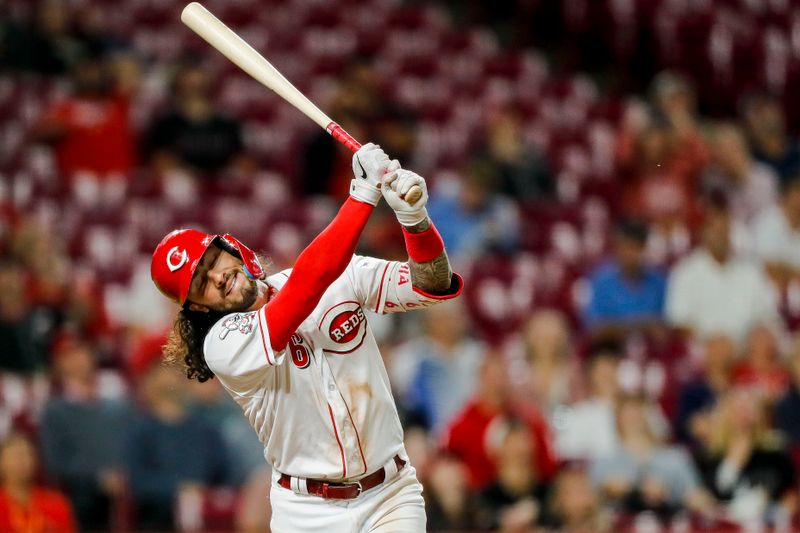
(344, 326)
(176, 258)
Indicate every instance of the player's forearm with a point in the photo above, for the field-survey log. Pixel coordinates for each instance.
(432, 276)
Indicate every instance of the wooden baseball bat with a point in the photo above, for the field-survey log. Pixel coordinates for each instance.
(221, 37)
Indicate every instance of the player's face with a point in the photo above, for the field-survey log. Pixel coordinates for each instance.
(220, 284)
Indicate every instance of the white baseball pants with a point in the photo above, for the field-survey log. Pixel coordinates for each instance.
(395, 506)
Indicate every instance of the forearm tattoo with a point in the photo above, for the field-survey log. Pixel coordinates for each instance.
(431, 276)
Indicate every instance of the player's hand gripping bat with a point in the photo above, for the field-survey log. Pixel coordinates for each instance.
(221, 37)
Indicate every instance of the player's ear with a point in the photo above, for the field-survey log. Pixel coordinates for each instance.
(198, 307)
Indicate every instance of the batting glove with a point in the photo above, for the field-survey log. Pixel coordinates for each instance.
(396, 185)
(369, 165)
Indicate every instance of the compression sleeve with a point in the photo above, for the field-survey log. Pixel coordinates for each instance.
(319, 265)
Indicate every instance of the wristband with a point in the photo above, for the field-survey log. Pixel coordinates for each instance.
(365, 192)
(425, 246)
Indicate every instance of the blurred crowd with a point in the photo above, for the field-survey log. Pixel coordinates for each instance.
(662, 390)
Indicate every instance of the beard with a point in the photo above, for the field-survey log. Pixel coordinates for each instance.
(247, 297)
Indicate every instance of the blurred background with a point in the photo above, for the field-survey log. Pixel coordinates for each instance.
(617, 180)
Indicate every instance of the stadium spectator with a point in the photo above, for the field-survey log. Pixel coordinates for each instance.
(787, 410)
(91, 133)
(745, 464)
(23, 341)
(89, 404)
(711, 291)
(192, 135)
(765, 124)
(356, 105)
(586, 429)
(552, 378)
(474, 435)
(48, 45)
(449, 504)
(644, 474)
(573, 505)
(625, 293)
(516, 497)
(209, 402)
(660, 182)
(762, 368)
(82, 435)
(435, 374)
(662, 154)
(699, 395)
(776, 235)
(472, 218)
(522, 171)
(26, 507)
(751, 187)
(673, 99)
(171, 456)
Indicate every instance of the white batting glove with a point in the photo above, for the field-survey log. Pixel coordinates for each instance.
(395, 186)
(369, 166)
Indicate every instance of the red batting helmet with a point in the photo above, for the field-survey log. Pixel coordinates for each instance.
(177, 255)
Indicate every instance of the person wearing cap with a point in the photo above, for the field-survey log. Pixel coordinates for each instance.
(296, 352)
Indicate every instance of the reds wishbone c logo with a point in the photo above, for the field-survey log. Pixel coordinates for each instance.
(176, 258)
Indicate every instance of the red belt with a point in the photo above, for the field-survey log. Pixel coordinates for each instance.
(342, 491)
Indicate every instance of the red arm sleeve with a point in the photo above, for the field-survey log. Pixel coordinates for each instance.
(319, 265)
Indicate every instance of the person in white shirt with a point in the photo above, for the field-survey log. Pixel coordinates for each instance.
(776, 235)
(587, 429)
(712, 292)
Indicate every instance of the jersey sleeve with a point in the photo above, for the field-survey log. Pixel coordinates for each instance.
(385, 287)
(238, 350)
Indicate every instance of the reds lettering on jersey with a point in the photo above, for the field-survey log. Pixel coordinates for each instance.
(322, 406)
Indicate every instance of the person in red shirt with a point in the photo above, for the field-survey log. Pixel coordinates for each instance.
(90, 131)
(24, 507)
(762, 368)
(476, 433)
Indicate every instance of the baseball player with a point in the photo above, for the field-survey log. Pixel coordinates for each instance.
(296, 352)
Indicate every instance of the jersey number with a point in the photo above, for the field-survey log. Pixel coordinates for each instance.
(300, 356)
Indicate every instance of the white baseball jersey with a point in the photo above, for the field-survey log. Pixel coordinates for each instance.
(322, 406)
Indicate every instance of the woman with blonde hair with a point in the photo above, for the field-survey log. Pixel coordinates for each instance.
(745, 463)
(644, 473)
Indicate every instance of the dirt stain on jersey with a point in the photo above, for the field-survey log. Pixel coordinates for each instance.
(356, 389)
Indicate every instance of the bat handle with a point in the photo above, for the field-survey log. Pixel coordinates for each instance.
(338, 133)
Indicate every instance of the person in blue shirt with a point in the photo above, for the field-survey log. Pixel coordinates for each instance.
(625, 292)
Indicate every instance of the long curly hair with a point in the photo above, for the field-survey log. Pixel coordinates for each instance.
(184, 345)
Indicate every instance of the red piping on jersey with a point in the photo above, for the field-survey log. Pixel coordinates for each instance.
(380, 292)
(358, 439)
(460, 282)
(341, 449)
(263, 340)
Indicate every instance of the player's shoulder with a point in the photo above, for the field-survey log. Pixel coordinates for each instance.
(229, 332)
(365, 264)
(279, 279)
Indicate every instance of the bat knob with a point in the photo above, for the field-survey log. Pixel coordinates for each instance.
(413, 195)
